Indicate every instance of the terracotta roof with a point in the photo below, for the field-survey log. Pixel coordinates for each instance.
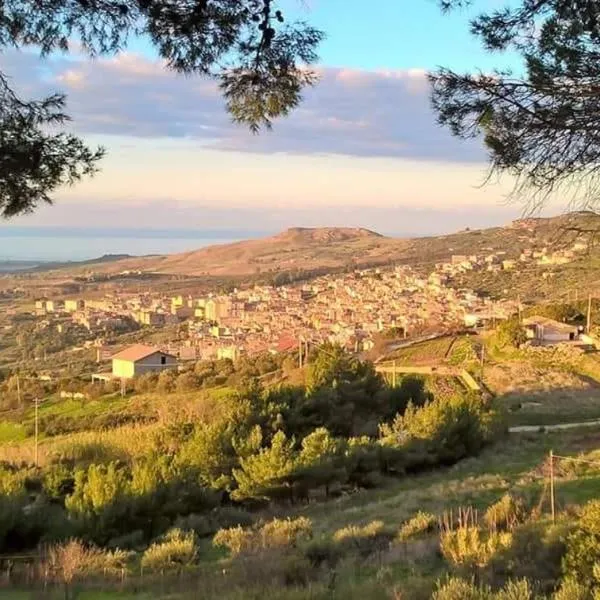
(137, 352)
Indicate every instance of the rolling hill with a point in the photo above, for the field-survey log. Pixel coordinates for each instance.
(318, 250)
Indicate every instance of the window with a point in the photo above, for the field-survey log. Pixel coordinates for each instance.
(163, 360)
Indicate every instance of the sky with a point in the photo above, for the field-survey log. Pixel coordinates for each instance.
(363, 149)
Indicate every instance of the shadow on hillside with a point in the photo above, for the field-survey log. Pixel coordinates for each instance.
(554, 406)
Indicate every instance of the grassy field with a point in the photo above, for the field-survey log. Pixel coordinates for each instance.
(119, 442)
(428, 352)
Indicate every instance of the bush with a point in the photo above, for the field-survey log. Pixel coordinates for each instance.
(583, 546)
(237, 540)
(366, 540)
(74, 560)
(504, 514)
(443, 431)
(468, 547)
(417, 525)
(535, 553)
(570, 589)
(176, 551)
(278, 533)
(459, 589)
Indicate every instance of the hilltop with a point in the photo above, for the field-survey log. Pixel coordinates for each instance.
(305, 252)
(295, 248)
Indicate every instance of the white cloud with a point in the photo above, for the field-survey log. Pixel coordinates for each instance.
(350, 112)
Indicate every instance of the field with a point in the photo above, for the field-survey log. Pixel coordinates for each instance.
(424, 353)
(517, 465)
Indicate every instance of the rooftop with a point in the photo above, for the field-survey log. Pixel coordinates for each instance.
(136, 352)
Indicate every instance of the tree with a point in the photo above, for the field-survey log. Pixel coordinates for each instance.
(511, 333)
(266, 474)
(258, 59)
(539, 123)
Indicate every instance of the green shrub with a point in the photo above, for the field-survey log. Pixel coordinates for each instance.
(176, 551)
(571, 589)
(417, 525)
(443, 431)
(535, 553)
(58, 481)
(373, 537)
(504, 514)
(278, 533)
(285, 533)
(516, 590)
(467, 546)
(459, 589)
(583, 545)
(237, 540)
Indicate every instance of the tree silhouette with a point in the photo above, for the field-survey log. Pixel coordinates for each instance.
(258, 59)
(539, 121)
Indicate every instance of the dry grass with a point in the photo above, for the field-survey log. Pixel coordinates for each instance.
(122, 443)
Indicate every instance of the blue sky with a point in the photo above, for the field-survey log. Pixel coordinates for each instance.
(362, 150)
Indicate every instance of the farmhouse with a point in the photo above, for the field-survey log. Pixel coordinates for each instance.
(549, 331)
(140, 359)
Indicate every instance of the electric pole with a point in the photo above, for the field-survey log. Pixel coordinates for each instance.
(18, 390)
(589, 314)
(481, 361)
(36, 402)
(300, 353)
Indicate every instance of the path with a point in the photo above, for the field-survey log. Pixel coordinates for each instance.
(558, 426)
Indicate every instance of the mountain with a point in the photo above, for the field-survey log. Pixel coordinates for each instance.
(297, 248)
(317, 250)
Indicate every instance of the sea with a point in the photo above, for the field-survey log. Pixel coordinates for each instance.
(37, 245)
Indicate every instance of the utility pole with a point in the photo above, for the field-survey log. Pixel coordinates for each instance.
(552, 486)
(36, 402)
(589, 314)
(300, 353)
(481, 361)
(394, 374)
(519, 308)
(18, 389)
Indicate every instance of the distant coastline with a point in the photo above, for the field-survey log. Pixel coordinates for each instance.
(27, 247)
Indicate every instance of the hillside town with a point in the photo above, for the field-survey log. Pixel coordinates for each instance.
(349, 309)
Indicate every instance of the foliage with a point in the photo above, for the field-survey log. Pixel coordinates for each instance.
(175, 551)
(275, 534)
(504, 514)
(511, 333)
(459, 589)
(417, 525)
(75, 560)
(258, 59)
(443, 431)
(571, 589)
(537, 124)
(468, 546)
(583, 546)
(365, 540)
(266, 473)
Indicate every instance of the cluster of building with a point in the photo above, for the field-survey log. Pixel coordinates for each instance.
(349, 309)
(496, 261)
